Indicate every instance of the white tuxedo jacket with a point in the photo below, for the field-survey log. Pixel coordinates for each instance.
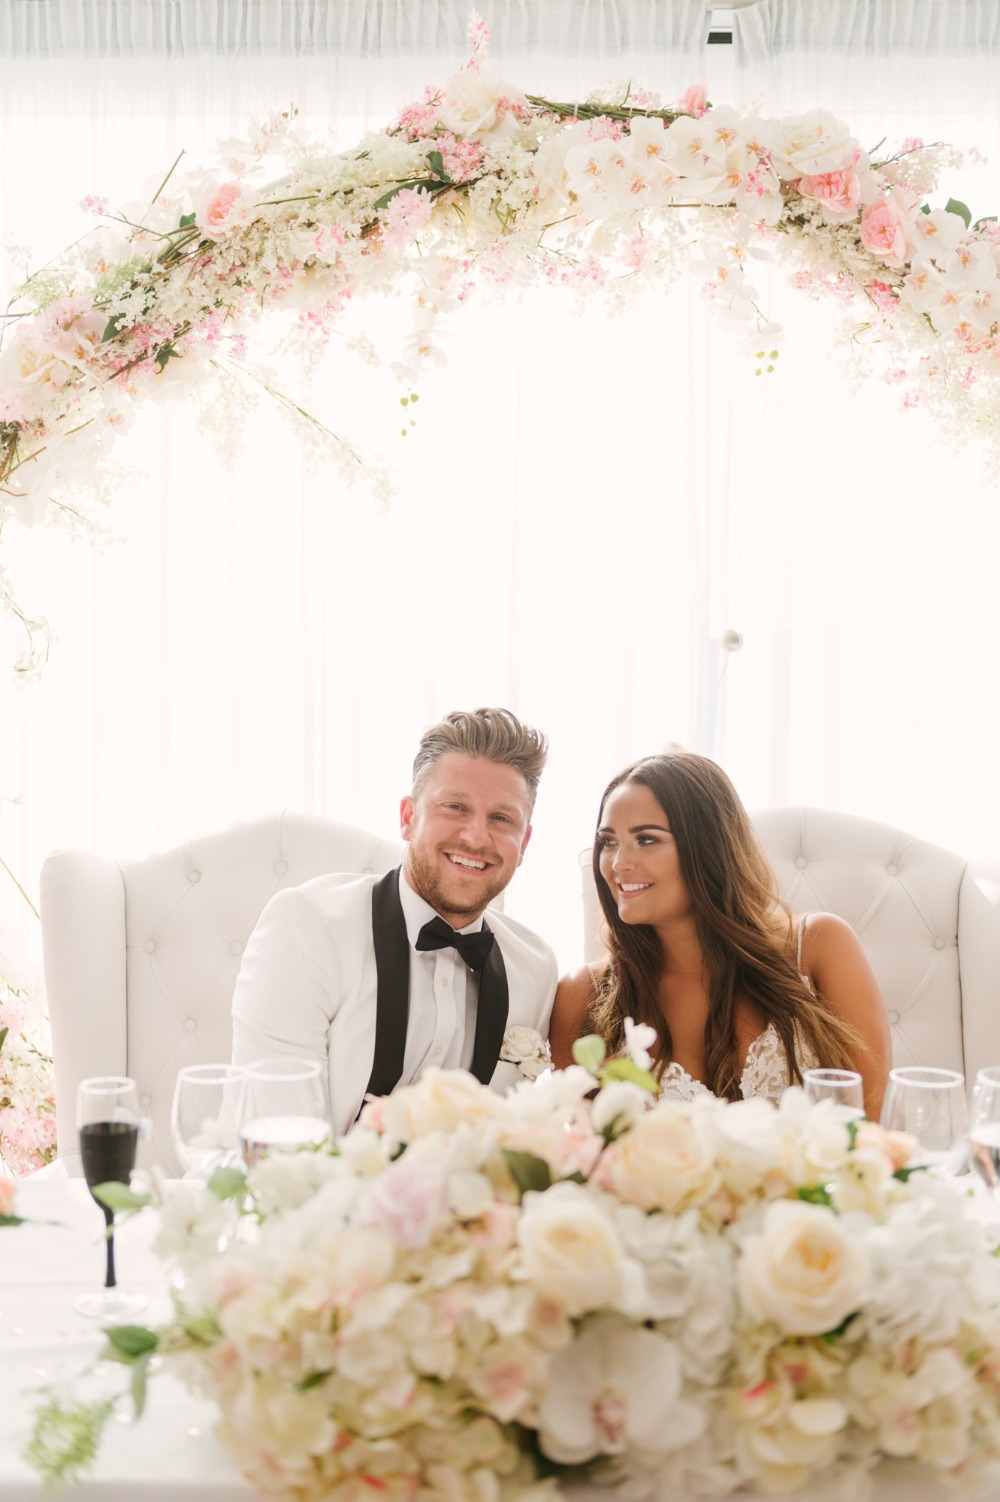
(307, 986)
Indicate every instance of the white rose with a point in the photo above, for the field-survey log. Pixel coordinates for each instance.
(440, 1101)
(617, 1107)
(571, 1249)
(662, 1163)
(806, 145)
(475, 104)
(523, 1046)
(804, 1272)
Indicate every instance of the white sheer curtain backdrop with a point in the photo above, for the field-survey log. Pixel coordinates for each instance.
(866, 551)
(264, 637)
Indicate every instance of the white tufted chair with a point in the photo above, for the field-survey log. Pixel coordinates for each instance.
(929, 921)
(141, 958)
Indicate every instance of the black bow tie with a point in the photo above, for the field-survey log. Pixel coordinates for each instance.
(474, 948)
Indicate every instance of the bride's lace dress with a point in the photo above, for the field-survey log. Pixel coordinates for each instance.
(765, 1072)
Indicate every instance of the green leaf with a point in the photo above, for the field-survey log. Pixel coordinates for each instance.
(163, 354)
(527, 1170)
(128, 1343)
(202, 1329)
(227, 1183)
(11, 1220)
(954, 206)
(313, 1380)
(114, 328)
(416, 182)
(589, 1053)
(625, 1069)
(813, 1194)
(437, 165)
(3, 1036)
(120, 1198)
(986, 219)
(139, 1374)
(186, 221)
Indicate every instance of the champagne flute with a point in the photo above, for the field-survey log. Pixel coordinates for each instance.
(931, 1105)
(203, 1117)
(283, 1108)
(843, 1086)
(984, 1129)
(107, 1116)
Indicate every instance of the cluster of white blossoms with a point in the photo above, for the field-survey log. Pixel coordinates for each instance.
(485, 1297)
(479, 185)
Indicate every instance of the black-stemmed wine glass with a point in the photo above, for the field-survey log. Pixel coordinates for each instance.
(107, 1116)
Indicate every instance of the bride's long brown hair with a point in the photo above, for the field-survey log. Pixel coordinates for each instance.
(747, 957)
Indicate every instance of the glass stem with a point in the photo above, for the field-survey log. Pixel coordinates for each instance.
(109, 1280)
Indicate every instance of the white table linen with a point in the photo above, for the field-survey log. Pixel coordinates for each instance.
(170, 1455)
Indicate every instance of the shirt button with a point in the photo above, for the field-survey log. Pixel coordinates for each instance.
(190, 1026)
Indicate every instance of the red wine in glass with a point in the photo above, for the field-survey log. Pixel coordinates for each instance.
(108, 1121)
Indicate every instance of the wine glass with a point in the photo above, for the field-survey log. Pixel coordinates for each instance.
(984, 1127)
(843, 1086)
(931, 1105)
(283, 1108)
(203, 1117)
(107, 1116)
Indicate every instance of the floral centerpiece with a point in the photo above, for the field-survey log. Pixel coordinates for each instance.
(480, 1297)
(481, 185)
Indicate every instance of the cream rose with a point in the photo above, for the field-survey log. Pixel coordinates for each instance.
(440, 1101)
(524, 1047)
(571, 1250)
(662, 1163)
(804, 1271)
(477, 103)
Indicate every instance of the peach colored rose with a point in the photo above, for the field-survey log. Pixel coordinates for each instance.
(8, 1192)
(839, 193)
(693, 101)
(883, 232)
(214, 209)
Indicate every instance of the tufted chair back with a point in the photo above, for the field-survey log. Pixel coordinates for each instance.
(929, 921)
(141, 957)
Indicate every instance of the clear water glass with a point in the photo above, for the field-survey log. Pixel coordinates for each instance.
(931, 1105)
(843, 1086)
(204, 1120)
(283, 1108)
(984, 1128)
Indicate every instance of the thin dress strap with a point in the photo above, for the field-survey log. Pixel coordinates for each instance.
(803, 922)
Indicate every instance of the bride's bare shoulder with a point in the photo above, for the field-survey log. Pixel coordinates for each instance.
(575, 995)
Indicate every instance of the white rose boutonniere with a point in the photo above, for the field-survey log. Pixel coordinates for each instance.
(526, 1049)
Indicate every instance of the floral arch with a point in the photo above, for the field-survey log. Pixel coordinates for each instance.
(475, 186)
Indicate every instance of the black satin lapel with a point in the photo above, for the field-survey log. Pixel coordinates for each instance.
(491, 1016)
(392, 965)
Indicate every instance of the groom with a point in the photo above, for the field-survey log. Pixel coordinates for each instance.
(382, 977)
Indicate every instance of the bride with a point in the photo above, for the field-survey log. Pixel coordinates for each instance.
(744, 997)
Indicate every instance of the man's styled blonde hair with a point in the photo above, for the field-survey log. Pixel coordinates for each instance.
(494, 734)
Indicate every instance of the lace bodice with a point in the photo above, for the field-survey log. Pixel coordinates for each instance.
(765, 1072)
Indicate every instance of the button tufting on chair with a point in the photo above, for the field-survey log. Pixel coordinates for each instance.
(113, 1012)
(801, 862)
(891, 870)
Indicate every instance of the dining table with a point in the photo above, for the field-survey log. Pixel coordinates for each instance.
(170, 1454)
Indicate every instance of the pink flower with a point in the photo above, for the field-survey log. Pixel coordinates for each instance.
(8, 1191)
(883, 232)
(405, 215)
(694, 101)
(408, 1200)
(838, 192)
(214, 209)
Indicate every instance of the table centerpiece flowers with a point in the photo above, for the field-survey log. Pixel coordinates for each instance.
(484, 1298)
